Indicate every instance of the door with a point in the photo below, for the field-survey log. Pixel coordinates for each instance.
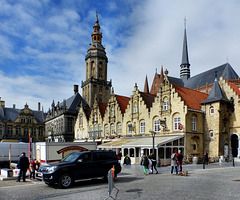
(84, 166)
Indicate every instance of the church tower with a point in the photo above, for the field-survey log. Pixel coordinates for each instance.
(96, 84)
(185, 66)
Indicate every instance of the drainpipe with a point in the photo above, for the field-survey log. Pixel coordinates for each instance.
(204, 113)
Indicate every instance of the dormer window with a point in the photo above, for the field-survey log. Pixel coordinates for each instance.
(112, 112)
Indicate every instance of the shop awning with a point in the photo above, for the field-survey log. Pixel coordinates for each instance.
(143, 142)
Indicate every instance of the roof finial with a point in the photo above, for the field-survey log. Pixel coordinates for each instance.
(185, 22)
(227, 59)
(96, 20)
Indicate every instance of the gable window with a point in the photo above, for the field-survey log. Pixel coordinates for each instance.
(194, 124)
(211, 110)
(112, 129)
(176, 122)
(211, 135)
(90, 132)
(95, 131)
(83, 133)
(25, 131)
(119, 128)
(106, 130)
(157, 125)
(99, 131)
(22, 120)
(165, 105)
(112, 112)
(129, 129)
(95, 117)
(142, 127)
(135, 108)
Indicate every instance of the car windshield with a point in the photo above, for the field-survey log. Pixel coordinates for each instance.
(71, 157)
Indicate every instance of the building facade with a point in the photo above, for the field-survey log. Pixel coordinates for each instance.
(192, 114)
(16, 124)
(61, 118)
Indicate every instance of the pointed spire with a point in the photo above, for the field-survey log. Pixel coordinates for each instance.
(216, 94)
(161, 75)
(185, 66)
(146, 88)
(96, 20)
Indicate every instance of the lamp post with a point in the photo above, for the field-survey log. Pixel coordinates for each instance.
(153, 136)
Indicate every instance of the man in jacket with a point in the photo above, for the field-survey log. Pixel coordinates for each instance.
(23, 165)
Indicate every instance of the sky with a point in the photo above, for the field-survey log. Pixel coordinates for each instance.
(43, 43)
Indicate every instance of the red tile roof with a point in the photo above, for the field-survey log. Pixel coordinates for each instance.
(235, 88)
(148, 98)
(102, 107)
(191, 98)
(122, 102)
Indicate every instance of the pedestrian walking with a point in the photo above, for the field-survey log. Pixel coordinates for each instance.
(154, 162)
(119, 156)
(149, 164)
(180, 159)
(144, 162)
(174, 163)
(23, 165)
(205, 158)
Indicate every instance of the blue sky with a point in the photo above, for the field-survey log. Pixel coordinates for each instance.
(43, 43)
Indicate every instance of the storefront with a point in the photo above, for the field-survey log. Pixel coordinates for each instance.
(135, 147)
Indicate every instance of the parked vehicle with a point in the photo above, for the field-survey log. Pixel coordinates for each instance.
(79, 165)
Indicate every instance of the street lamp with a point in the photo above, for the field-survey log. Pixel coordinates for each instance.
(153, 136)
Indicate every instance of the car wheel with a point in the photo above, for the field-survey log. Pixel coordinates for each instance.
(65, 181)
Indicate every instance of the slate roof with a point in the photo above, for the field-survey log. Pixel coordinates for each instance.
(191, 98)
(122, 102)
(148, 99)
(11, 114)
(216, 94)
(225, 70)
(74, 101)
(207, 77)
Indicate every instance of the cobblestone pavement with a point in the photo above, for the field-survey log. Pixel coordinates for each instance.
(214, 182)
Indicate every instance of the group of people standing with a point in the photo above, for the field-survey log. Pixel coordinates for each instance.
(24, 165)
(176, 162)
(149, 162)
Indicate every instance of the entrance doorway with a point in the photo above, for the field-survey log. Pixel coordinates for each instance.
(234, 145)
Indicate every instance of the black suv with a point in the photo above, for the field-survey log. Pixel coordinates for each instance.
(79, 165)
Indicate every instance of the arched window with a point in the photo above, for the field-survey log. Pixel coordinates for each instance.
(156, 125)
(142, 127)
(92, 68)
(176, 122)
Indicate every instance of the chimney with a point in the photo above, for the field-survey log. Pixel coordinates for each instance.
(75, 89)
(2, 103)
(39, 106)
(14, 106)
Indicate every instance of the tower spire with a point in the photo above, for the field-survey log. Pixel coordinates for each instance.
(185, 66)
(146, 88)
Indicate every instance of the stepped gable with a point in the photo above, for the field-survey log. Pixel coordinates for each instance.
(148, 99)
(235, 88)
(122, 102)
(216, 94)
(191, 98)
(102, 108)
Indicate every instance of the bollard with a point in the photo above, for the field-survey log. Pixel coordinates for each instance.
(233, 163)
(203, 164)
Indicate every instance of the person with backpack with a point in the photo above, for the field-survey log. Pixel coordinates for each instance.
(174, 163)
(144, 162)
